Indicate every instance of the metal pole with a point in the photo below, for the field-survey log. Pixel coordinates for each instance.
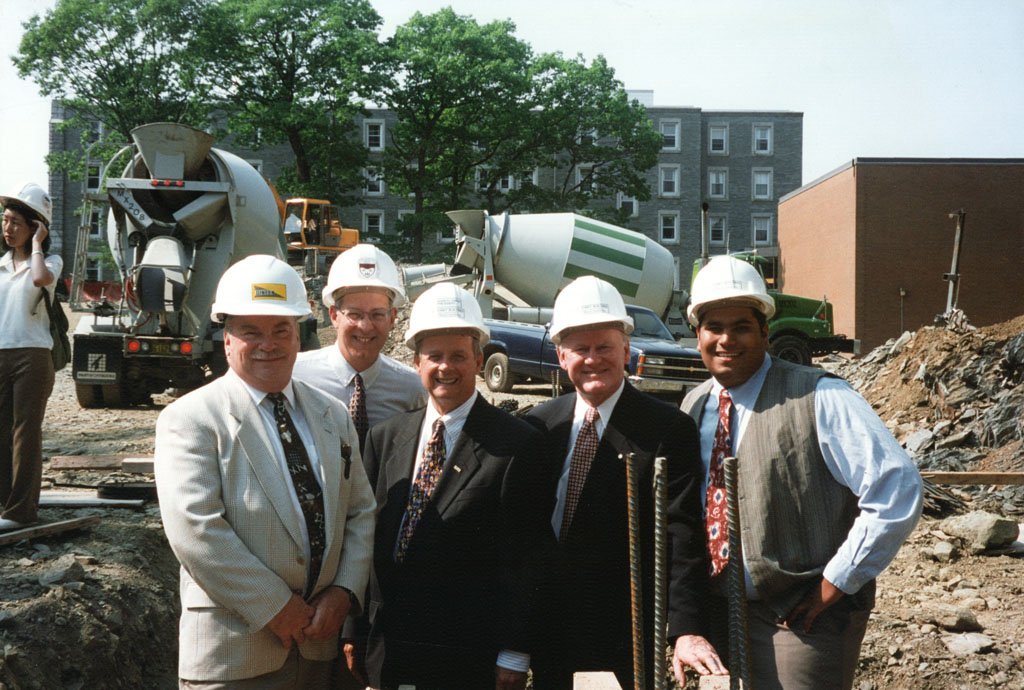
(660, 581)
(954, 272)
(636, 598)
(739, 662)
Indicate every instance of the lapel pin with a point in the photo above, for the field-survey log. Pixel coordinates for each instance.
(346, 455)
(456, 468)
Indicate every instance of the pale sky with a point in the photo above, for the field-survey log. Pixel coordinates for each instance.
(897, 78)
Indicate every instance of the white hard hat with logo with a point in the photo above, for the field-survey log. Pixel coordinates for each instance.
(34, 197)
(260, 285)
(728, 281)
(587, 302)
(443, 308)
(364, 266)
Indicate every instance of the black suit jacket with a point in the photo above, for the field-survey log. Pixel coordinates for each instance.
(471, 579)
(592, 609)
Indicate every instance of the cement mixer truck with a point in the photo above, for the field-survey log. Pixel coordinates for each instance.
(180, 213)
(516, 264)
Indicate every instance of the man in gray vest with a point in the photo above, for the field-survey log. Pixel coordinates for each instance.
(827, 494)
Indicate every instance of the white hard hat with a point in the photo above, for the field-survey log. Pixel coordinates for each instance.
(260, 285)
(34, 197)
(729, 281)
(445, 307)
(589, 301)
(364, 266)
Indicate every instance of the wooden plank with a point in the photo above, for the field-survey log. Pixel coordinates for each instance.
(79, 499)
(137, 465)
(960, 478)
(50, 528)
(86, 462)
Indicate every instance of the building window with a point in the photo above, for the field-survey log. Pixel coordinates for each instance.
(718, 183)
(256, 163)
(668, 227)
(761, 230)
(373, 134)
(716, 231)
(588, 137)
(506, 183)
(762, 183)
(94, 223)
(585, 178)
(629, 204)
(92, 177)
(374, 182)
(669, 134)
(718, 139)
(763, 140)
(668, 180)
(373, 223)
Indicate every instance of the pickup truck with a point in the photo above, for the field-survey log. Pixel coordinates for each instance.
(520, 352)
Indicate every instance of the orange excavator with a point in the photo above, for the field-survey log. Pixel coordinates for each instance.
(313, 233)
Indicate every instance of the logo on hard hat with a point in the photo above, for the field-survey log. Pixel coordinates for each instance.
(270, 291)
(450, 307)
(598, 308)
(366, 270)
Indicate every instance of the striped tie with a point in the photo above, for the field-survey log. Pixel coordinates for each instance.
(582, 455)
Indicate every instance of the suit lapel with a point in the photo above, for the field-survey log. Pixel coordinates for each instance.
(257, 447)
(607, 466)
(464, 459)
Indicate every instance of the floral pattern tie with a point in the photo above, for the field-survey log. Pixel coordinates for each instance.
(582, 455)
(307, 488)
(716, 521)
(427, 477)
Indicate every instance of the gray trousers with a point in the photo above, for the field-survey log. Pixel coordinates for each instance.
(298, 673)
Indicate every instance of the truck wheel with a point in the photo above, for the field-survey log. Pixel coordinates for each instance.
(791, 348)
(89, 395)
(499, 379)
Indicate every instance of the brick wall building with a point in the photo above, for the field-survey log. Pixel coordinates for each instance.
(876, 237)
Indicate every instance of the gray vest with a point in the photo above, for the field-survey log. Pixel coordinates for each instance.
(793, 514)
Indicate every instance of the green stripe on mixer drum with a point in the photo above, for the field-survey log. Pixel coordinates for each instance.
(630, 238)
(625, 287)
(615, 256)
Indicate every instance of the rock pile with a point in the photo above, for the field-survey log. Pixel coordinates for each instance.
(954, 400)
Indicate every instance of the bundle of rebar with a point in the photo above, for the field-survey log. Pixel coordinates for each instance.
(739, 662)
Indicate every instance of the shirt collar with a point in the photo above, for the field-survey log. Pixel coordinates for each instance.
(259, 396)
(456, 416)
(604, 410)
(745, 394)
(348, 372)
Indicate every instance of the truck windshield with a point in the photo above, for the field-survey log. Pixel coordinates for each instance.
(647, 325)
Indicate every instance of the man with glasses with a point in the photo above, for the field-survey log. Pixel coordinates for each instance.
(362, 294)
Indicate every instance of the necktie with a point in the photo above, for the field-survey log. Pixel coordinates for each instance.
(423, 487)
(357, 408)
(582, 455)
(307, 488)
(716, 522)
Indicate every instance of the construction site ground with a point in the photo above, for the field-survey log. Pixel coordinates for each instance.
(98, 607)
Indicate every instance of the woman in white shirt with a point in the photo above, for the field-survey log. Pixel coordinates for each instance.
(26, 370)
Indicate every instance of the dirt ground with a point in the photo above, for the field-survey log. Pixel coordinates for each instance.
(98, 608)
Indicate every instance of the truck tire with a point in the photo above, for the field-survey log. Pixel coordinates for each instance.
(499, 379)
(89, 396)
(791, 348)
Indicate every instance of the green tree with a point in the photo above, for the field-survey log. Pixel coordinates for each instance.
(597, 141)
(120, 62)
(459, 86)
(299, 70)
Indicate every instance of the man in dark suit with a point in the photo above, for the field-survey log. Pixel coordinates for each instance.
(463, 527)
(590, 621)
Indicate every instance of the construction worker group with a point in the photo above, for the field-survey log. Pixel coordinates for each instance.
(343, 520)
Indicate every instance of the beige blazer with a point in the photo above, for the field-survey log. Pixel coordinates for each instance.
(230, 520)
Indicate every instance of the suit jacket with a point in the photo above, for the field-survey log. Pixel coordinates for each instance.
(470, 582)
(591, 614)
(229, 518)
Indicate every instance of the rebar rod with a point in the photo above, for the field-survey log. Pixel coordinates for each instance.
(636, 598)
(739, 662)
(660, 581)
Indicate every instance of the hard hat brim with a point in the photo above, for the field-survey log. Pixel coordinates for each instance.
(764, 304)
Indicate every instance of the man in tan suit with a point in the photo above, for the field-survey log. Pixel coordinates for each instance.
(264, 499)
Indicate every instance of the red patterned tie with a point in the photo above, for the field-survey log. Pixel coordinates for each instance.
(357, 408)
(582, 455)
(423, 487)
(716, 522)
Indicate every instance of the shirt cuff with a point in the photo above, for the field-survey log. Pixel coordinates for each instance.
(514, 661)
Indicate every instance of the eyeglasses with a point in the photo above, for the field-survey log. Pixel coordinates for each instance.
(377, 316)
